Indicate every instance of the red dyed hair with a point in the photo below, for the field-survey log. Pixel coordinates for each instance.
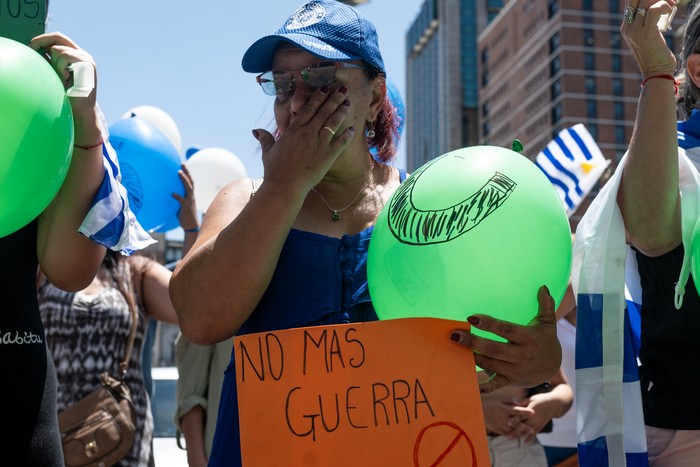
(386, 126)
(386, 129)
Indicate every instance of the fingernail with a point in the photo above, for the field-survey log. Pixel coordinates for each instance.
(343, 89)
(455, 337)
(324, 90)
(473, 320)
(346, 103)
(256, 134)
(546, 289)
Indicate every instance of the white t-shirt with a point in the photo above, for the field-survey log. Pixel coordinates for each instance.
(563, 434)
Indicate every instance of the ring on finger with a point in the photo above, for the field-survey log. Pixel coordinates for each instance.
(630, 13)
(329, 129)
(642, 12)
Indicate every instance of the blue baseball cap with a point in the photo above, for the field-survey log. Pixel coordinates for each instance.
(325, 28)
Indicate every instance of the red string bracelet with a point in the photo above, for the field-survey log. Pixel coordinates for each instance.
(676, 83)
(90, 147)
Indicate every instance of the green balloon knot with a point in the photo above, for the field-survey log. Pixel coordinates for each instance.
(517, 146)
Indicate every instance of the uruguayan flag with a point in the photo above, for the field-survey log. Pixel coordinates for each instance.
(573, 163)
(610, 421)
(109, 221)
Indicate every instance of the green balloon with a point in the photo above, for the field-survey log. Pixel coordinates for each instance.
(695, 256)
(36, 135)
(477, 230)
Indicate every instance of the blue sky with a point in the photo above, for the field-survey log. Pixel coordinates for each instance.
(184, 58)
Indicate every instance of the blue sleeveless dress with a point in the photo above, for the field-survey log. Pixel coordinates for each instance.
(319, 280)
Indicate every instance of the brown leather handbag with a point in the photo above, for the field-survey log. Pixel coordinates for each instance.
(98, 430)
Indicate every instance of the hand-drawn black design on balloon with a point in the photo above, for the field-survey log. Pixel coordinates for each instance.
(425, 227)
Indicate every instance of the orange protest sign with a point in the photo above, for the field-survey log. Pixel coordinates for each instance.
(382, 393)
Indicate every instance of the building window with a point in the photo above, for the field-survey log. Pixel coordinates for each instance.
(485, 77)
(553, 7)
(554, 42)
(619, 110)
(615, 40)
(554, 66)
(617, 87)
(593, 130)
(487, 128)
(620, 137)
(587, 5)
(556, 113)
(613, 6)
(590, 85)
(485, 108)
(485, 55)
(591, 108)
(556, 129)
(589, 61)
(616, 62)
(556, 89)
(588, 38)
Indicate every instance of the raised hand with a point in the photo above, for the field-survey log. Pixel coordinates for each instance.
(187, 215)
(530, 355)
(62, 52)
(306, 149)
(644, 39)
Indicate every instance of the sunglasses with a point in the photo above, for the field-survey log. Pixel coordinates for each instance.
(317, 75)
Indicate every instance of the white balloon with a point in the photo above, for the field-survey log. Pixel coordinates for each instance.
(159, 119)
(212, 169)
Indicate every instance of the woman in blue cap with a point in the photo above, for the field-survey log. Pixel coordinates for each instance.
(291, 250)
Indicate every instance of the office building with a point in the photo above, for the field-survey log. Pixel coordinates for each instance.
(545, 65)
(442, 103)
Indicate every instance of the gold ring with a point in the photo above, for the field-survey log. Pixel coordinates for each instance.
(642, 12)
(330, 130)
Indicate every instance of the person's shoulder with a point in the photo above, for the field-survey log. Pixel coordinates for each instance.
(239, 191)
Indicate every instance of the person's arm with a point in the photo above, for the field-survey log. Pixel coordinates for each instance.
(193, 365)
(567, 304)
(155, 279)
(69, 259)
(192, 424)
(648, 196)
(217, 285)
(530, 355)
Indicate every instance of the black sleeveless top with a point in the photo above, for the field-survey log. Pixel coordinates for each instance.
(29, 425)
(670, 350)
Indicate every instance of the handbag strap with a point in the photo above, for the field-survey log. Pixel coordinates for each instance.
(133, 307)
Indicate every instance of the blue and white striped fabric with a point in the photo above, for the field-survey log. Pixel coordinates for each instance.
(573, 163)
(109, 221)
(610, 421)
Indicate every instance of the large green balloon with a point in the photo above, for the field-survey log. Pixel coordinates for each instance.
(477, 230)
(36, 135)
